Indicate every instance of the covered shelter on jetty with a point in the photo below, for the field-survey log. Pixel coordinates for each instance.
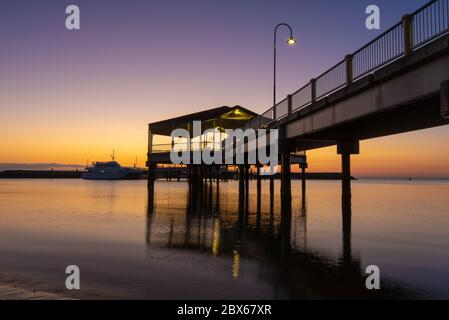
(161, 143)
(159, 133)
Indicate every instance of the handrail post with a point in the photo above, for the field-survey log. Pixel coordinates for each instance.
(407, 26)
(189, 143)
(349, 69)
(313, 90)
(289, 103)
(150, 141)
(150, 146)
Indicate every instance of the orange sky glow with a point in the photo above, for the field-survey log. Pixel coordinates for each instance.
(66, 97)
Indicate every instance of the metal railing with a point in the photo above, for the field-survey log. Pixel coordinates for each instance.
(282, 109)
(333, 79)
(414, 31)
(181, 146)
(302, 97)
(430, 21)
(380, 51)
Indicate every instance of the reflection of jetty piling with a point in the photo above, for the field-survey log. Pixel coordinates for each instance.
(216, 221)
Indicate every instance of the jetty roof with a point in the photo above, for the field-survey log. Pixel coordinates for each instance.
(221, 118)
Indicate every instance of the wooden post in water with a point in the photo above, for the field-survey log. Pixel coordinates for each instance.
(286, 193)
(346, 233)
(217, 177)
(241, 191)
(150, 184)
(247, 177)
(246, 189)
(271, 193)
(189, 174)
(195, 176)
(201, 174)
(241, 176)
(210, 175)
(346, 177)
(259, 189)
(345, 149)
(285, 152)
(303, 167)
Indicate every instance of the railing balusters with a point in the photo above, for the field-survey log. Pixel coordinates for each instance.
(414, 31)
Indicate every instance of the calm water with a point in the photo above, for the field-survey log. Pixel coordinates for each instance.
(209, 247)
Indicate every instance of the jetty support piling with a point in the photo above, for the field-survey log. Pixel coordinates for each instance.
(286, 193)
(303, 167)
(346, 149)
(259, 189)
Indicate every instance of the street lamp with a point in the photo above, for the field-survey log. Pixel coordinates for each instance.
(291, 41)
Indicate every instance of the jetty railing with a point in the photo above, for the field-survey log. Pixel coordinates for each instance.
(414, 31)
(180, 146)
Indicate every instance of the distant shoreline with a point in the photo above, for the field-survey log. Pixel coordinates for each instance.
(60, 174)
(76, 174)
(40, 174)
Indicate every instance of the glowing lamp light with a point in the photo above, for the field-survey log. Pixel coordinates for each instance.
(291, 41)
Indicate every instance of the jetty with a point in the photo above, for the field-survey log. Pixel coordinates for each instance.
(396, 83)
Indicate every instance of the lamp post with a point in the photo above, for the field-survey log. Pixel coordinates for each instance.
(291, 41)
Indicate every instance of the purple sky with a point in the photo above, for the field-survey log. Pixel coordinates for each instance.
(204, 52)
(69, 95)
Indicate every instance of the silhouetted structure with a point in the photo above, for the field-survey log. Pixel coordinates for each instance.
(396, 83)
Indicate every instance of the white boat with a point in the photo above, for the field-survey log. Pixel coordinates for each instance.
(110, 170)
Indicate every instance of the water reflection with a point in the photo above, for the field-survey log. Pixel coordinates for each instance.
(232, 229)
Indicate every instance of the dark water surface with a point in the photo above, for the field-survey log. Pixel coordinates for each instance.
(205, 246)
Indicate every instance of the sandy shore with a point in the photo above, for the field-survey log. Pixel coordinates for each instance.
(12, 292)
(19, 287)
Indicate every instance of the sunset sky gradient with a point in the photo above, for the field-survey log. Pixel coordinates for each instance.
(66, 96)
